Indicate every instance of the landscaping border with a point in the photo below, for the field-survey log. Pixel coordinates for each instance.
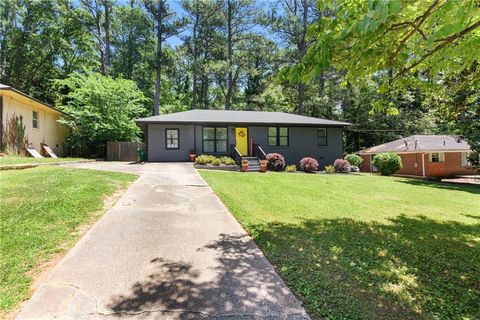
(34, 165)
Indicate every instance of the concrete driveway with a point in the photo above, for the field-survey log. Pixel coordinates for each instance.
(169, 249)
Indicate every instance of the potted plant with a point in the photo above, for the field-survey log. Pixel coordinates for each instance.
(192, 155)
(244, 165)
(263, 165)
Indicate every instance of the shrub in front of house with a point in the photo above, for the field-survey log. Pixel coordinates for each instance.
(341, 165)
(387, 163)
(291, 168)
(309, 164)
(203, 159)
(329, 169)
(276, 162)
(227, 161)
(354, 159)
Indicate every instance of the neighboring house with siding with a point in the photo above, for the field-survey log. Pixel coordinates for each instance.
(424, 155)
(170, 137)
(39, 119)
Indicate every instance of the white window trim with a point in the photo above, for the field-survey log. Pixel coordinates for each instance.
(441, 157)
(464, 159)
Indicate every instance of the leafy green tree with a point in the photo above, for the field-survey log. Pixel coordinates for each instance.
(410, 45)
(99, 109)
(166, 25)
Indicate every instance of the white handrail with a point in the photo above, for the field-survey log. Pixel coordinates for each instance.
(263, 152)
(238, 152)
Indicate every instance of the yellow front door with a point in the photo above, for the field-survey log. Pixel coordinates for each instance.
(241, 140)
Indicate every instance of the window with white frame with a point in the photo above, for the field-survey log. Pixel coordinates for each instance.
(35, 119)
(172, 139)
(465, 161)
(436, 157)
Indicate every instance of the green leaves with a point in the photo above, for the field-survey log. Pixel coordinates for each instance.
(100, 109)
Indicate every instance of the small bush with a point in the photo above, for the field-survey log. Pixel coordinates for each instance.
(204, 159)
(216, 162)
(387, 163)
(354, 159)
(309, 164)
(245, 162)
(341, 165)
(291, 168)
(276, 162)
(329, 169)
(227, 161)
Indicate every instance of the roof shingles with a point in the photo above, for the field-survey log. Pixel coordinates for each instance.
(244, 117)
(421, 143)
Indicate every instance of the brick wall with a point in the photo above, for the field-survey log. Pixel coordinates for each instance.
(365, 165)
(452, 166)
(412, 164)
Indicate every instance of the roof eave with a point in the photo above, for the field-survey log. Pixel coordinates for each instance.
(32, 98)
(340, 124)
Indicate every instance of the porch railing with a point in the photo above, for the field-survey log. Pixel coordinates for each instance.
(261, 154)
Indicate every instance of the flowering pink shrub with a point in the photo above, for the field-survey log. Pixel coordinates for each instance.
(341, 165)
(276, 162)
(309, 164)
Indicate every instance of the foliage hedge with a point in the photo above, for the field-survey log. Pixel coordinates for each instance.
(354, 159)
(387, 163)
(209, 159)
(309, 164)
(341, 165)
(276, 162)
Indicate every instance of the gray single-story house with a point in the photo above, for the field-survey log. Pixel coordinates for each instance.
(171, 137)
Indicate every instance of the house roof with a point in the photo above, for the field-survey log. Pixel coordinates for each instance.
(18, 92)
(421, 143)
(240, 117)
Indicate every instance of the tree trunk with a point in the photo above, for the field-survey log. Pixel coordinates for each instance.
(158, 76)
(228, 96)
(98, 25)
(205, 86)
(194, 62)
(302, 49)
(106, 6)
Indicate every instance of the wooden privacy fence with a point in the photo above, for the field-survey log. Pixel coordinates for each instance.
(123, 151)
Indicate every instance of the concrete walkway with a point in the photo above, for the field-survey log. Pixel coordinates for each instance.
(169, 249)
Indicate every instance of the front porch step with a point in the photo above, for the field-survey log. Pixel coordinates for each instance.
(253, 164)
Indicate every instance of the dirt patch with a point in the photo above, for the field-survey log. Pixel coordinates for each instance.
(40, 273)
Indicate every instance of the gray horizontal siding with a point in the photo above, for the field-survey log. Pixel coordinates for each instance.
(156, 142)
(303, 143)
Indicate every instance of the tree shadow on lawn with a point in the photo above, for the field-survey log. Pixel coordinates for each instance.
(471, 188)
(244, 285)
(409, 269)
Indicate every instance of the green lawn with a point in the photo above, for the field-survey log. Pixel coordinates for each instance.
(364, 246)
(9, 160)
(40, 209)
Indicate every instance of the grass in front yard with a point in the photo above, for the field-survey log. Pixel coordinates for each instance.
(40, 210)
(12, 159)
(364, 246)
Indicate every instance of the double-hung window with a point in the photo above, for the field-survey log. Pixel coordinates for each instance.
(465, 160)
(278, 136)
(322, 137)
(35, 119)
(172, 138)
(215, 139)
(436, 157)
